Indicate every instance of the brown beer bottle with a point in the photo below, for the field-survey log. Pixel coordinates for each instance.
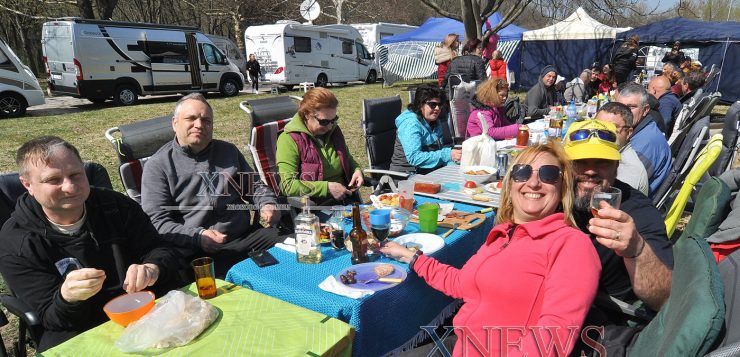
(358, 238)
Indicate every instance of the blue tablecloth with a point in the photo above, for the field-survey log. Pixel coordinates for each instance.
(383, 321)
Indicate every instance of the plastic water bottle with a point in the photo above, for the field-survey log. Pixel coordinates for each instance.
(571, 114)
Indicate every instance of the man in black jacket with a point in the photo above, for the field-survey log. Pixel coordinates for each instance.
(68, 249)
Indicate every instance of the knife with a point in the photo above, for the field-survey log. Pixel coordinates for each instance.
(454, 227)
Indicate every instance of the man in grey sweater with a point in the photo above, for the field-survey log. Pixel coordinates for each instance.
(199, 191)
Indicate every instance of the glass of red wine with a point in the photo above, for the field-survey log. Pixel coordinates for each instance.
(380, 224)
(610, 195)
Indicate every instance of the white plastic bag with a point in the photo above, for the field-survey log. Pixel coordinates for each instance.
(480, 149)
(175, 320)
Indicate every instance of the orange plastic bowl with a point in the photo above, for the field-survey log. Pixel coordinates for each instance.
(128, 308)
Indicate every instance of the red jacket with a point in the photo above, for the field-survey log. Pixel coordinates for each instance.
(498, 68)
(441, 70)
(545, 277)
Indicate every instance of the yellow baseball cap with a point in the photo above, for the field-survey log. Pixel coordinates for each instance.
(592, 139)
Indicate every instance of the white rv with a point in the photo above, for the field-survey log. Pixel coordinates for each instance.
(293, 53)
(19, 88)
(99, 60)
(372, 33)
(231, 50)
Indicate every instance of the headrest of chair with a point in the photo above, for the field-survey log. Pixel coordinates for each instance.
(10, 188)
(272, 109)
(379, 114)
(144, 138)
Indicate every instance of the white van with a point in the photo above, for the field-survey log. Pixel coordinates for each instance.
(98, 60)
(19, 88)
(293, 53)
(231, 50)
(372, 33)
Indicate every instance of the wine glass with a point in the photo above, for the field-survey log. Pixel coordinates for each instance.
(336, 222)
(611, 195)
(380, 223)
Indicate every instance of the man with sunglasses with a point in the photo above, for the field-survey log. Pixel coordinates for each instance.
(631, 170)
(647, 139)
(631, 241)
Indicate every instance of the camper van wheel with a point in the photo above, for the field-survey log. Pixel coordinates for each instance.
(12, 105)
(289, 86)
(321, 81)
(125, 95)
(372, 77)
(229, 87)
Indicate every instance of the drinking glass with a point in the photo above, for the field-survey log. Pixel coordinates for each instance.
(336, 222)
(205, 277)
(428, 213)
(611, 195)
(380, 223)
(406, 195)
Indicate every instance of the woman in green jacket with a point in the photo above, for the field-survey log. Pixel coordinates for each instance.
(312, 155)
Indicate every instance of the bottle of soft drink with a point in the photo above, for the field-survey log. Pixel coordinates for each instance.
(572, 115)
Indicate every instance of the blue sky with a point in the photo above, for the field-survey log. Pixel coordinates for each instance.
(662, 4)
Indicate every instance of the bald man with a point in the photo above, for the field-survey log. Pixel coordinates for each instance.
(670, 105)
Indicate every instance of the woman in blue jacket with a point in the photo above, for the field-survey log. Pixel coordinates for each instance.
(419, 146)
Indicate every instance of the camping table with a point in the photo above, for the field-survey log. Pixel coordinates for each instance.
(249, 324)
(385, 321)
(450, 174)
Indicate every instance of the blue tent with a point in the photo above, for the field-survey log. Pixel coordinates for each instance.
(571, 45)
(718, 43)
(436, 28)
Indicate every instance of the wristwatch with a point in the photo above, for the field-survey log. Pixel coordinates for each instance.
(413, 259)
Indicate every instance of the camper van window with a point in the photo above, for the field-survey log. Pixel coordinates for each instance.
(347, 47)
(167, 52)
(213, 56)
(302, 44)
(6, 63)
(361, 51)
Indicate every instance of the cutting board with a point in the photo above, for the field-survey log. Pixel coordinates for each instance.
(467, 222)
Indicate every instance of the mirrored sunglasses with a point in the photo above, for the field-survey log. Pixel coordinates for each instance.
(585, 134)
(546, 173)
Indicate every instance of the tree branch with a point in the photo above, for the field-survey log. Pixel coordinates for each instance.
(3, 7)
(432, 4)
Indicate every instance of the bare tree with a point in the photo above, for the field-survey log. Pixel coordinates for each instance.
(473, 14)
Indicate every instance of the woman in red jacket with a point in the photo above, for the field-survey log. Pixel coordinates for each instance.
(532, 282)
(498, 66)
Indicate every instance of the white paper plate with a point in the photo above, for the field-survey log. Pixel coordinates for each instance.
(429, 243)
(491, 187)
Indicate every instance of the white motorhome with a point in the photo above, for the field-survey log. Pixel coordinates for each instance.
(293, 53)
(231, 50)
(372, 33)
(98, 60)
(19, 88)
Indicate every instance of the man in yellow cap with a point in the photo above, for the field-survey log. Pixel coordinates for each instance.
(635, 253)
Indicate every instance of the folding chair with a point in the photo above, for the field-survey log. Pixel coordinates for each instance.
(29, 324)
(135, 144)
(690, 322)
(706, 157)
(681, 164)
(699, 110)
(269, 117)
(379, 125)
(460, 107)
(730, 141)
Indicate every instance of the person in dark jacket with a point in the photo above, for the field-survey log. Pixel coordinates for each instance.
(253, 68)
(470, 66)
(69, 248)
(625, 60)
(675, 55)
(542, 95)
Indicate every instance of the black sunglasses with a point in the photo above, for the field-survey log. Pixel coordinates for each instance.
(546, 173)
(585, 134)
(433, 105)
(326, 122)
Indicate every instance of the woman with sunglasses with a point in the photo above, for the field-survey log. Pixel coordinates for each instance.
(312, 155)
(536, 272)
(489, 101)
(419, 147)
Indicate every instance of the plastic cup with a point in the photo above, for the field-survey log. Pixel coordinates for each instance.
(428, 213)
(205, 277)
(406, 195)
(380, 217)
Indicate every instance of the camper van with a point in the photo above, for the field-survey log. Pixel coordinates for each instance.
(231, 50)
(98, 60)
(372, 33)
(292, 53)
(19, 88)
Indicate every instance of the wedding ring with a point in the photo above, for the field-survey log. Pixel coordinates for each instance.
(617, 237)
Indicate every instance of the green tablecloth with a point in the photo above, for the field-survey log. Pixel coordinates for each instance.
(249, 324)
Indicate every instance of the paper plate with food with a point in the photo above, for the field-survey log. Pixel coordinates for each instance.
(493, 187)
(426, 242)
(371, 276)
(386, 200)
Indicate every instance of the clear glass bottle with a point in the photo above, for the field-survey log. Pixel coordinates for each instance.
(307, 235)
(358, 238)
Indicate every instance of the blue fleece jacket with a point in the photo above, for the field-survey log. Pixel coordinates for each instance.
(413, 134)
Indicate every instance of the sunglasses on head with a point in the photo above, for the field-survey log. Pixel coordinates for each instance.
(326, 122)
(433, 105)
(585, 134)
(546, 173)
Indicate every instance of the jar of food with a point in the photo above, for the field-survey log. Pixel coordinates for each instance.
(522, 137)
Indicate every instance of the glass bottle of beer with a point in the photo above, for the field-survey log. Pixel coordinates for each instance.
(358, 238)
(307, 235)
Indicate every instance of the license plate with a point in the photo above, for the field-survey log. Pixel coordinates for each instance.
(56, 76)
